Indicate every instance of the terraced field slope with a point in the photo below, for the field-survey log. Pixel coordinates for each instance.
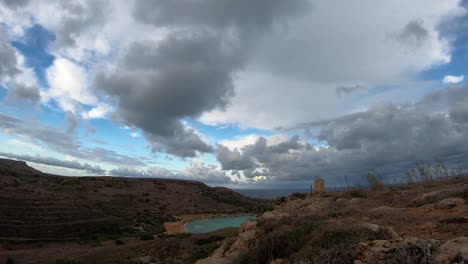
(38, 206)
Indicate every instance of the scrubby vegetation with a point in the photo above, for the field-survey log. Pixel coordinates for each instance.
(299, 195)
(308, 239)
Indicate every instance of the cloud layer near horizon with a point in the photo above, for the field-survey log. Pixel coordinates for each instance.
(387, 137)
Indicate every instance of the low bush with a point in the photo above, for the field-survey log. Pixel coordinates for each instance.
(67, 261)
(119, 242)
(146, 237)
(308, 239)
(209, 240)
(199, 254)
(357, 193)
(299, 195)
(463, 193)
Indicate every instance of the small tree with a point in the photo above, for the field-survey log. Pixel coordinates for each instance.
(374, 180)
(410, 176)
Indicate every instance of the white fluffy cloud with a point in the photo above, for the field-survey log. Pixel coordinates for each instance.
(69, 85)
(100, 111)
(453, 79)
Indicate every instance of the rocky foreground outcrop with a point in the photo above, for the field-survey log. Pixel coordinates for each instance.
(412, 224)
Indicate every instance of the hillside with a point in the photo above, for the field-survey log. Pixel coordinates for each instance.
(419, 223)
(38, 206)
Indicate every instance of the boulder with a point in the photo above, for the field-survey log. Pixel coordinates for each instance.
(145, 260)
(376, 228)
(279, 261)
(408, 250)
(213, 260)
(454, 251)
(248, 226)
(243, 243)
(449, 203)
(273, 215)
(382, 210)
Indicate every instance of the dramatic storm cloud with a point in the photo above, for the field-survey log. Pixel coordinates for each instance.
(386, 135)
(190, 71)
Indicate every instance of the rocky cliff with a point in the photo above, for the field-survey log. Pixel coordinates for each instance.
(423, 223)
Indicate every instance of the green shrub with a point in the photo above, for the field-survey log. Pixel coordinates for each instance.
(374, 180)
(357, 193)
(119, 242)
(199, 254)
(10, 261)
(299, 195)
(67, 261)
(209, 240)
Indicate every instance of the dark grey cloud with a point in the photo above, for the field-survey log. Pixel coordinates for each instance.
(243, 15)
(8, 65)
(72, 123)
(80, 17)
(387, 137)
(234, 160)
(9, 69)
(25, 92)
(459, 113)
(190, 71)
(344, 90)
(63, 142)
(157, 86)
(414, 33)
(56, 162)
(14, 3)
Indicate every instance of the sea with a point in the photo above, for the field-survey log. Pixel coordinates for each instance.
(276, 193)
(269, 193)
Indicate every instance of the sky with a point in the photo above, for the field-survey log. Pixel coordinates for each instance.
(236, 93)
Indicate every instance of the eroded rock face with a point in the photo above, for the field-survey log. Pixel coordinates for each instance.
(454, 251)
(389, 229)
(250, 225)
(272, 215)
(248, 232)
(408, 250)
(145, 260)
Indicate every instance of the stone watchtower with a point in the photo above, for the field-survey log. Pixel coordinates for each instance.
(319, 185)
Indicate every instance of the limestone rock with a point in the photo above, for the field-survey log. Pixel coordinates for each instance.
(248, 226)
(382, 210)
(268, 216)
(279, 261)
(213, 260)
(449, 203)
(454, 251)
(243, 243)
(408, 250)
(355, 200)
(370, 226)
(376, 228)
(145, 260)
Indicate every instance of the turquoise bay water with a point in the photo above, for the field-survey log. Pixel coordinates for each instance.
(211, 224)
